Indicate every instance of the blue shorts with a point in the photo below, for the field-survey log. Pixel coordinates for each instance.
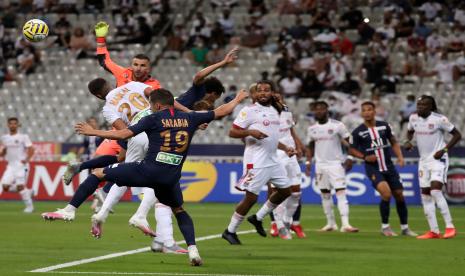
(391, 176)
(142, 174)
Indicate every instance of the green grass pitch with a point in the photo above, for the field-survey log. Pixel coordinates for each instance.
(28, 243)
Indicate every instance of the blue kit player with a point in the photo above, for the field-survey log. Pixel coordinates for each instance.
(170, 132)
(372, 142)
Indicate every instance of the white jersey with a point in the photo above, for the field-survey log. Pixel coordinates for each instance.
(328, 138)
(16, 147)
(260, 153)
(430, 133)
(286, 122)
(124, 102)
(139, 144)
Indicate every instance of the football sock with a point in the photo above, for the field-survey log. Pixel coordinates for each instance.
(327, 203)
(99, 162)
(430, 212)
(164, 227)
(267, 208)
(107, 187)
(278, 213)
(343, 206)
(296, 216)
(70, 208)
(26, 196)
(402, 211)
(186, 226)
(114, 195)
(86, 189)
(404, 226)
(148, 201)
(384, 209)
(236, 220)
(292, 203)
(443, 207)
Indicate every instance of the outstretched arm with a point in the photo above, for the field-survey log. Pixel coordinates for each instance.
(120, 134)
(229, 58)
(103, 56)
(228, 108)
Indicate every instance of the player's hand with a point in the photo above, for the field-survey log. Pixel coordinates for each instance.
(101, 29)
(400, 162)
(370, 158)
(438, 155)
(257, 134)
(408, 146)
(299, 152)
(348, 165)
(83, 128)
(231, 56)
(243, 94)
(308, 168)
(290, 151)
(203, 126)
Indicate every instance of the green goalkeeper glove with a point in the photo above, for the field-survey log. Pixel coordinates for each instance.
(101, 29)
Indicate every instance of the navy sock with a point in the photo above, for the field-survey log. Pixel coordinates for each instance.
(402, 211)
(107, 187)
(86, 189)
(296, 216)
(272, 216)
(99, 162)
(186, 226)
(384, 209)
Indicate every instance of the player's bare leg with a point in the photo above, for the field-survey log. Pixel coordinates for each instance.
(238, 217)
(384, 208)
(275, 199)
(402, 211)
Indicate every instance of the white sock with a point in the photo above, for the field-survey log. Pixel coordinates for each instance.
(236, 220)
(327, 203)
(114, 195)
(296, 222)
(278, 213)
(343, 207)
(292, 203)
(148, 201)
(384, 225)
(403, 226)
(430, 212)
(70, 208)
(267, 208)
(26, 196)
(443, 207)
(164, 227)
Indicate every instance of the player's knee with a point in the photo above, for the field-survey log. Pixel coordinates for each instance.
(295, 188)
(251, 197)
(5, 187)
(98, 173)
(399, 195)
(177, 210)
(340, 192)
(436, 185)
(19, 188)
(325, 191)
(425, 191)
(285, 192)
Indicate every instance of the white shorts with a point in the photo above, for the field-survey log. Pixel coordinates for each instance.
(15, 174)
(260, 177)
(432, 170)
(293, 171)
(330, 177)
(137, 148)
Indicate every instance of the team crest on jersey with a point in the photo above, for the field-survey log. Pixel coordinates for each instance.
(243, 114)
(373, 177)
(330, 131)
(266, 122)
(431, 126)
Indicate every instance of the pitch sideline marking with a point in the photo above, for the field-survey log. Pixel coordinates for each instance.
(124, 253)
(151, 273)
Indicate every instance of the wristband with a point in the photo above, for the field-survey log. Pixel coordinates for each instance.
(350, 157)
(100, 39)
(307, 162)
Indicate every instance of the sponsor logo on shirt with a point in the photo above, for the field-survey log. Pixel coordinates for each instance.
(431, 126)
(330, 131)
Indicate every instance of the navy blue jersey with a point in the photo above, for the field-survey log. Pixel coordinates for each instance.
(191, 96)
(170, 133)
(375, 141)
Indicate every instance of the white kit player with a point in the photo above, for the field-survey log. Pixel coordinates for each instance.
(284, 213)
(429, 128)
(325, 143)
(122, 104)
(17, 150)
(258, 125)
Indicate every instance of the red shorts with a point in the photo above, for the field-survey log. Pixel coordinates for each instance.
(108, 147)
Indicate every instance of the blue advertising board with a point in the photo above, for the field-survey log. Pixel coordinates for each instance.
(214, 182)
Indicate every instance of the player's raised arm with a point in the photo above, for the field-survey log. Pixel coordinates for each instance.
(228, 59)
(103, 56)
(228, 108)
(121, 134)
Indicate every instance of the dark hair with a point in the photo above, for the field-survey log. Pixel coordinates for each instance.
(323, 103)
(270, 83)
(95, 86)
(12, 119)
(434, 106)
(142, 56)
(214, 85)
(161, 96)
(370, 103)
